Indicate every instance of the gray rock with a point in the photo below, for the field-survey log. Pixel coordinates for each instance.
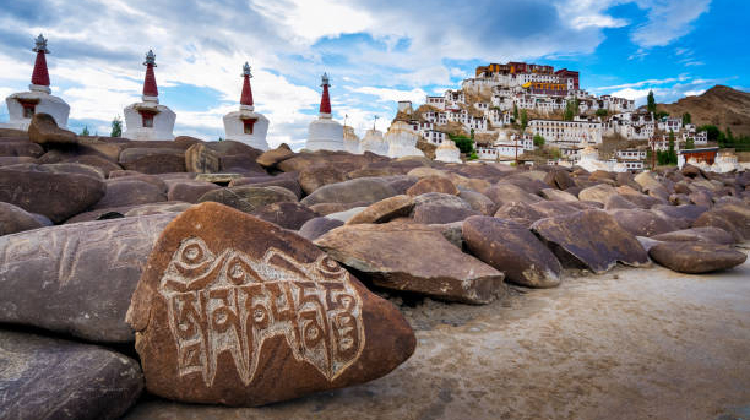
(317, 227)
(14, 219)
(370, 189)
(248, 198)
(696, 258)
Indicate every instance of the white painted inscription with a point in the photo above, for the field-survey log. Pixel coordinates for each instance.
(232, 303)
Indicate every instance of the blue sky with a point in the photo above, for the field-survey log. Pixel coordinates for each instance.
(377, 52)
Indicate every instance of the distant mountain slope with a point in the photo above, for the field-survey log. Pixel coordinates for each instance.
(721, 106)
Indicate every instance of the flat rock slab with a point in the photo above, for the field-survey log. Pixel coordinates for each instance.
(76, 279)
(696, 258)
(235, 310)
(361, 189)
(432, 184)
(248, 198)
(702, 234)
(57, 196)
(287, 215)
(317, 227)
(590, 239)
(385, 210)
(43, 378)
(642, 222)
(511, 248)
(413, 258)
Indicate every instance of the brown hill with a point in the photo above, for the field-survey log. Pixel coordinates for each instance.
(721, 106)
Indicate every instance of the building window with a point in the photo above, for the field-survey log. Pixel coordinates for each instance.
(147, 120)
(248, 126)
(28, 110)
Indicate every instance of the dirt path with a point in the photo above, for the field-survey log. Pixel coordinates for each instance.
(650, 344)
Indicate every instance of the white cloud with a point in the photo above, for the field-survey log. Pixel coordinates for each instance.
(392, 95)
(667, 20)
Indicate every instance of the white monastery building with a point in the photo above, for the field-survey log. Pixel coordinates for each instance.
(246, 125)
(22, 106)
(148, 120)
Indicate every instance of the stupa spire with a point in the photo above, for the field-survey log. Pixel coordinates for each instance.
(40, 76)
(149, 85)
(247, 94)
(325, 100)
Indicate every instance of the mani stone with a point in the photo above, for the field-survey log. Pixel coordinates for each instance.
(249, 198)
(235, 310)
(58, 196)
(513, 249)
(44, 378)
(590, 239)
(696, 257)
(413, 258)
(76, 279)
(199, 158)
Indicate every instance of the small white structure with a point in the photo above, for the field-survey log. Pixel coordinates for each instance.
(246, 125)
(147, 120)
(324, 133)
(22, 106)
(402, 141)
(351, 141)
(373, 142)
(448, 152)
(405, 107)
(590, 161)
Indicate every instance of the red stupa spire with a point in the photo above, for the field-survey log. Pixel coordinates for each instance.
(247, 94)
(149, 86)
(325, 100)
(40, 76)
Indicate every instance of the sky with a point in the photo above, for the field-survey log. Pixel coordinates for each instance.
(376, 51)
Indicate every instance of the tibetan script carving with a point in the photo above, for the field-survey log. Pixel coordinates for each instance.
(233, 303)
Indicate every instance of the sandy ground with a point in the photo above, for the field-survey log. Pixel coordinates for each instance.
(629, 344)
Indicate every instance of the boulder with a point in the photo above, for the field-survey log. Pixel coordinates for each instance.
(617, 201)
(249, 198)
(384, 210)
(647, 180)
(43, 129)
(199, 158)
(317, 227)
(286, 214)
(478, 202)
(360, 189)
(598, 193)
(701, 234)
(682, 216)
(189, 191)
(346, 215)
(511, 248)
(696, 258)
(153, 160)
(732, 218)
(555, 195)
(104, 165)
(314, 178)
(20, 149)
(130, 192)
(590, 239)
(14, 219)
(44, 378)
(441, 214)
(287, 180)
(560, 179)
(331, 208)
(640, 222)
(413, 258)
(156, 208)
(644, 201)
(504, 193)
(432, 184)
(520, 211)
(270, 158)
(58, 196)
(233, 310)
(76, 279)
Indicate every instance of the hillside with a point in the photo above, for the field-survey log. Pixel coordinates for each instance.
(721, 106)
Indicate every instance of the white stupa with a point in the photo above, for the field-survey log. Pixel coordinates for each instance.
(147, 120)
(373, 142)
(22, 106)
(246, 125)
(351, 141)
(324, 133)
(448, 152)
(402, 141)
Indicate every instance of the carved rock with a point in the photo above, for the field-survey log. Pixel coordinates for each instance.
(314, 178)
(695, 258)
(285, 214)
(43, 378)
(591, 239)
(189, 191)
(511, 248)
(317, 227)
(234, 310)
(248, 199)
(130, 192)
(199, 158)
(432, 184)
(77, 278)
(56, 196)
(413, 258)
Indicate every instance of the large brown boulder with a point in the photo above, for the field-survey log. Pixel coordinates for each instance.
(43, 129)
(189, 191)
(20, 149)
(286, 214)
(696, 258)
(76, 279)
(681, 216)
(231, 309)
(432, 184)
(153, 160)
(314, 178)
(560, 179)
(701, 234)
(14, 219)
(513, 249)
(505, 193)
(249, 198)
(58, 196)
(478, 202)
(520, 212)
(360, 189)
(384, 210)
(640, 222)
(732, 218)
(590, 239)
(104, 165)
(130, 192)
(45, 378)
(270, 158)
(317, 227)
(598, 193)
(413, 258)
(287, 180)
(199, 158)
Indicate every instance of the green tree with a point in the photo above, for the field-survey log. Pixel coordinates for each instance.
(221, 139)
(602, 112)
(538, 141)
(671, 158)
(686, 118)
(571, 109)
(515, 112)
(524, 119)
(116, 127)
(712, 132)
(472, 134)
(85, 131)
(650, 102)
(661, 114)
(464, 143)
(690, 143)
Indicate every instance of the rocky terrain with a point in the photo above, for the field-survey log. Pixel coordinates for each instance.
(721, 106)
(137, 278)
